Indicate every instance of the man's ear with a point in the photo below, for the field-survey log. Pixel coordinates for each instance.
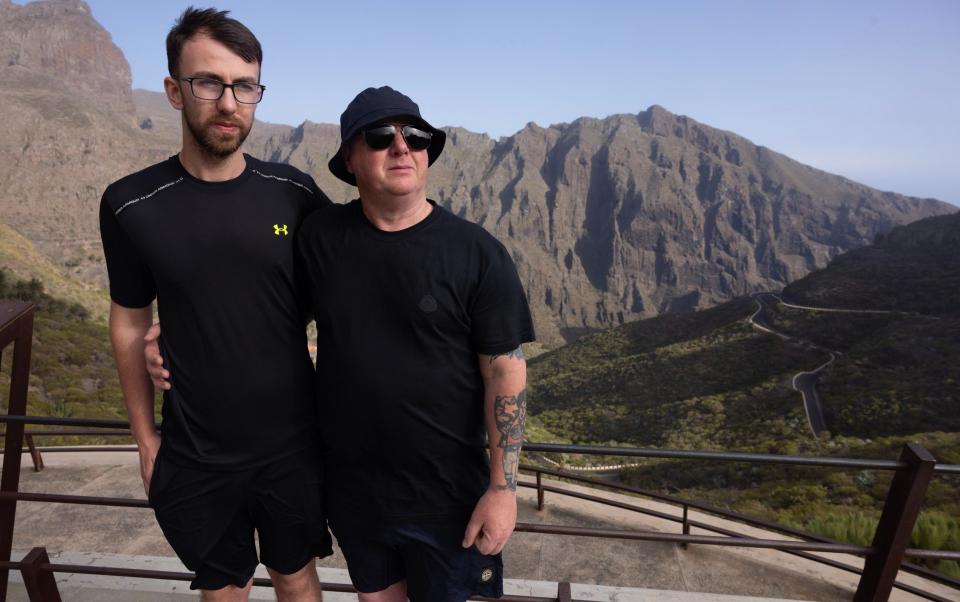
(174, 93)
(346, 156)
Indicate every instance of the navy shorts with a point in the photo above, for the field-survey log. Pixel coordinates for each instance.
(427, 554)
(209, 517)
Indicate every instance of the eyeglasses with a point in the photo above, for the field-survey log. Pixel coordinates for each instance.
(381, 137)
(205, 88)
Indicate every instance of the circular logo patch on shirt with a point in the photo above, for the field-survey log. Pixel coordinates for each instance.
(486, 575)
(428, 304)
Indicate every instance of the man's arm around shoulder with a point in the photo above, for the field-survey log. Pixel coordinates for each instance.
(505, 409)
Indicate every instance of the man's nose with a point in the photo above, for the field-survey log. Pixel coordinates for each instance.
(399, 145)
(227, 103)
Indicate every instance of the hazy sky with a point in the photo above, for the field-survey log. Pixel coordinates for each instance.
(866, 89)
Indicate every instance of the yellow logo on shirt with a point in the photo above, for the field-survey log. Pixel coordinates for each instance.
(278, 229)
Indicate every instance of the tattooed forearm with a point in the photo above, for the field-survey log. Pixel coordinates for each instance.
(516, 353)
(510, 412)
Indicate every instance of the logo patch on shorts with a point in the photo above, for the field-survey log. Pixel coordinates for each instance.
(486, 574)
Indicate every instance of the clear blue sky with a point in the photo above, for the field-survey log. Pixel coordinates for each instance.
(866, 89)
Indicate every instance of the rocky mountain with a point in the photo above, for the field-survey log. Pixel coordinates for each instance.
(711, 380)
(635, 215)
(609, 220)
(69, 128)
(899, 371)
(912, 268)
(627, 217)
(711, 375)
(59, 46)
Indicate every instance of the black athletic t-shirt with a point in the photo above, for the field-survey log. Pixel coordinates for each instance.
(219, 259)
(401, 317)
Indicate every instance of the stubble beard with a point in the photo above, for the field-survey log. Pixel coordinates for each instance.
(213, 144)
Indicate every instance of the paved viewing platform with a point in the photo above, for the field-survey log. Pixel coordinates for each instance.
(598, 569)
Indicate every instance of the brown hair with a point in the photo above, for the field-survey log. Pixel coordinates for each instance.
(217, 25)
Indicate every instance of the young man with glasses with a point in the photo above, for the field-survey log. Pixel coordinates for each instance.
(420, 316)
(209, 233)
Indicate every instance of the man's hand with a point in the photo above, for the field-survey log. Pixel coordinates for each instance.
(492, 522)
(151, 353)
(148, 449)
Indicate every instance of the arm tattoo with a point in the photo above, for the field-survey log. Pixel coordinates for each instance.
(510, 412)
(517, 353)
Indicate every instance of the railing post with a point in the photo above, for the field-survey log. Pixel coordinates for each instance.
(539, 490)
(34, 454)
(563, 592)
(16, 326)
(899, 514)
(686, 526)
(41, 585)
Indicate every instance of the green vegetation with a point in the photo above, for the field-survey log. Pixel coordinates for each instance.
(704, 380)
(710, 381)
(913, 268)
(842, 505)
(898, 374)
(72, 371)
(935, 530)
(23, 261)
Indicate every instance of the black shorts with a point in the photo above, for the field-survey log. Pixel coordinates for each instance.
(427, 554)
(209, 517)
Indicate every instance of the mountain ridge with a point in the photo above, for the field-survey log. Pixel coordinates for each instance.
(608, 220)
(895, 368)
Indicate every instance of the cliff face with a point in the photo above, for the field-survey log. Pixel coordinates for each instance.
(615, 219)
(69, 127)
(633, 215)
(609, 220)
(912, 268)
(58, 45)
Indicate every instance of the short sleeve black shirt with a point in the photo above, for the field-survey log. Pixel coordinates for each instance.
(401, 318)
(219, 259)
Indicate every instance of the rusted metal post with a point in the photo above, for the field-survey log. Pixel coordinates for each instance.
(34, 454)
(896, 524)
(686, 526)
(539, 490)
(563, 592)
(41, 585)
(16, 326)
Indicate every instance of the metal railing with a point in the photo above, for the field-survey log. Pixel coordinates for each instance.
(884, 558)
(808, 542)
(16, 328)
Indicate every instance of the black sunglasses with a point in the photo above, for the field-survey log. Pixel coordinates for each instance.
(381, 137)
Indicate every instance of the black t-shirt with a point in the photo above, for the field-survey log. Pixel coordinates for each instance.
(219, 259)
(401, 317)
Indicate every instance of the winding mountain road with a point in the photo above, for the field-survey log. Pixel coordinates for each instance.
(804, 382)
(909, 314)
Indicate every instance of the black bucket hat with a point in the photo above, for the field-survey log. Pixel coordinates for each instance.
(374, 105)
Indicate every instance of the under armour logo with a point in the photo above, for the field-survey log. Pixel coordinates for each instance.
(486, 575)
(278, 229)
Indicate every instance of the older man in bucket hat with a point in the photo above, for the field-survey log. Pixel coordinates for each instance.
(420, 317)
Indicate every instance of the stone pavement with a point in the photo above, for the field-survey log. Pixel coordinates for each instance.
(601, 569)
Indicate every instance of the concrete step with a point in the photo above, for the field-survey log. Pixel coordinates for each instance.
(100, 588)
